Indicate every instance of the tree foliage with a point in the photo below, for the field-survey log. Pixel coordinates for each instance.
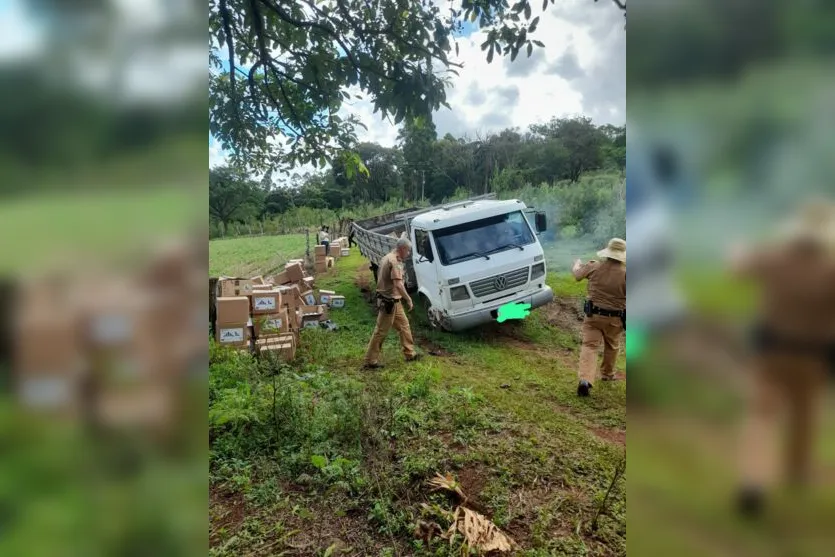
(284, 68)
(559, 151)
(232, 194)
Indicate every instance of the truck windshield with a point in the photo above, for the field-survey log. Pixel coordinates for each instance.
(476, 239)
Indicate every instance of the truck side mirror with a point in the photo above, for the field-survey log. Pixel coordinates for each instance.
(541, 222)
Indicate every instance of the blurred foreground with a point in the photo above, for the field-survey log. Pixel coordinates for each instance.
(724, 149)
(102, 275)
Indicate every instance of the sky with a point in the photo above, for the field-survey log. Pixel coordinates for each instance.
(581, 70)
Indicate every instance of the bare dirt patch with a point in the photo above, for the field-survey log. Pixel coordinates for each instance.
(564, 313)
(227, 510)
(433, 349)
(616, 436)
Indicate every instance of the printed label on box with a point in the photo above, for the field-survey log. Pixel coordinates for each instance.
(264, 303)
(310, 324)
(310, 299)
(272, 324)
(326, 298)
(232, 335)
(338, 302)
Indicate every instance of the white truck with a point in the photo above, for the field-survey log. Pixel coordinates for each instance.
(468, 258)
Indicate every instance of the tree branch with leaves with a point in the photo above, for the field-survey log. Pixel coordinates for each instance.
(302, 60)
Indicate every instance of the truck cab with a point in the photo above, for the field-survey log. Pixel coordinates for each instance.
(471, 258)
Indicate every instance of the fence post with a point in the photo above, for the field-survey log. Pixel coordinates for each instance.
(307, 241)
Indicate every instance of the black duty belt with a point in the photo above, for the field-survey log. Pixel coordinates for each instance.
(592, 309)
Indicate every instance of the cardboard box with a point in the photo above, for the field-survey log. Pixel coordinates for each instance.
(325, 297)
(294, 261)
(295, 271)
(281, 278)
(319, 250)
(232, 287)
(262, 288)
(312, 315)
(271, 325)
(337, 301)
(334, 251)
(290, 296)
(233, 334)
(232, 310)
(284, 346)
(345, 252)
(308, 283)
(310, 321)
(309, 298)
(266, 302)
(321, 267)
(258, 281)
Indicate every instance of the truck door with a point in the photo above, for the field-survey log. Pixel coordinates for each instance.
(423, 259)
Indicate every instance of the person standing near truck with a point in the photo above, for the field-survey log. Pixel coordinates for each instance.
(351, 232)
(391, 294)
(605, 311)
(324, 238)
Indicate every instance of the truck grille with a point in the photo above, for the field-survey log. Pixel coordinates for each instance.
(499, 283)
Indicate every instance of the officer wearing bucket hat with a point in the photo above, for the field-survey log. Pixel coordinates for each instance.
(794, 348)
(605, 311)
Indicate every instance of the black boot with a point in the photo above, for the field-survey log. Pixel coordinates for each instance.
(584, 388)
(750, 502)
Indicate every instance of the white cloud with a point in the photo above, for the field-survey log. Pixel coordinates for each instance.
(581, 70)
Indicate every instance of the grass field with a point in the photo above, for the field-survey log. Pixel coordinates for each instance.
(246, 257)
(321, 458)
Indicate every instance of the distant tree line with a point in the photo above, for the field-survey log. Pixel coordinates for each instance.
(423, 167)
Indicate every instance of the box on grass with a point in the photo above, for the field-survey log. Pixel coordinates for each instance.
(325, 296)
(337, 301)
(271, 325)
(233, 334)
(309, 298)
(266, 302)
(295, 271)
(232, 309)
(230, 287)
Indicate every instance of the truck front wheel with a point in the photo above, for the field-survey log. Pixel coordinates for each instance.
(429, 314)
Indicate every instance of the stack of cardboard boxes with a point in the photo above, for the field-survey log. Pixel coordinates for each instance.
(325, 259)
(321, 261)
(344, 250)
(267, 314)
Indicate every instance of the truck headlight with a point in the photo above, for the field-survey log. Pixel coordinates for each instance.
(537, 270)
(459, 293)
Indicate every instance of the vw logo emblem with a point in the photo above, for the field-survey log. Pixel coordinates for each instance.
(500, 283)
